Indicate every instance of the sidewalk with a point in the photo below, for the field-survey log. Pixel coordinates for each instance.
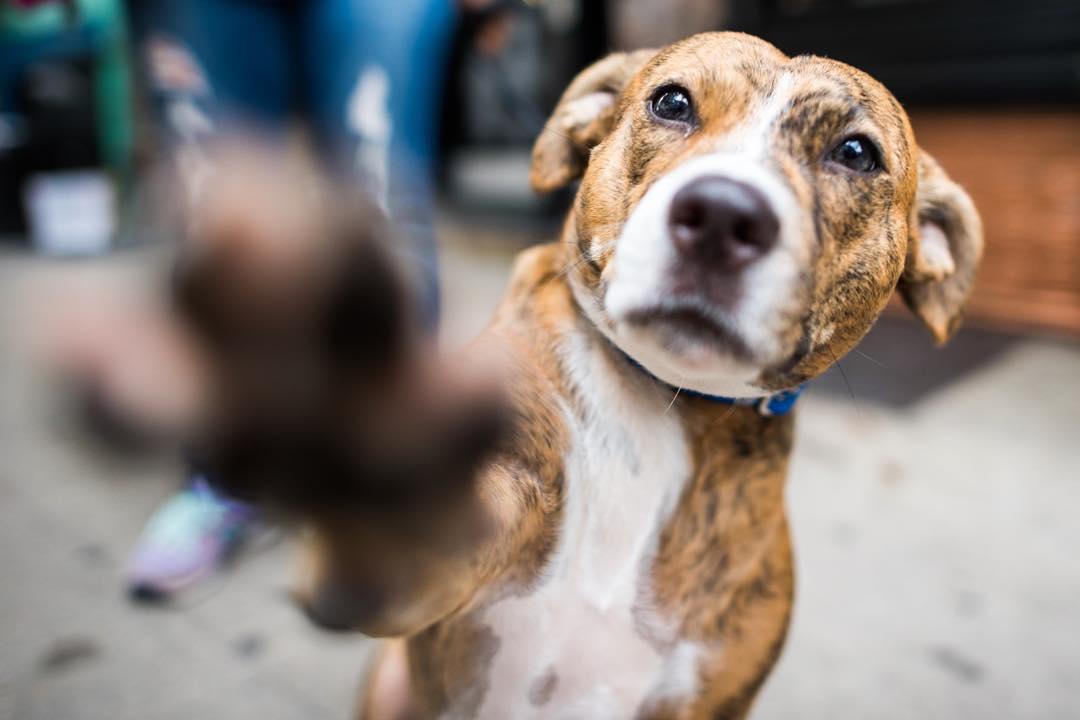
(934, 522)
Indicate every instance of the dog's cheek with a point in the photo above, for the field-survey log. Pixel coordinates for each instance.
(644, 143)
(864, 288)
(622, 170)
(799, 257)
(587, 258)
(859, 260)
(601, 212)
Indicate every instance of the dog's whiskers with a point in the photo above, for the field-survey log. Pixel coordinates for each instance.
(586, 256)
(564, 136)
(730, 410)
(854, 401)
(727, 414)
(672, 403)
(876, 362)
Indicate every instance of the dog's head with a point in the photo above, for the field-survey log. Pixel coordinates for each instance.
(743, 216)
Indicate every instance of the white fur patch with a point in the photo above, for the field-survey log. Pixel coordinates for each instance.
(624, 474)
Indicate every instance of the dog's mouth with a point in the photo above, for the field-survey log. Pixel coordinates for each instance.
(681, 327)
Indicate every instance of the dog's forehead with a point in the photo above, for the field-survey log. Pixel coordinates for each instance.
(746, 64)
(812, 73)
(709, 56)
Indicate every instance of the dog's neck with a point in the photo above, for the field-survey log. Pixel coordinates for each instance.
(778, 403)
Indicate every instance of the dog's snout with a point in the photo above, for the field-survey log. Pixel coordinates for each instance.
(723, 223)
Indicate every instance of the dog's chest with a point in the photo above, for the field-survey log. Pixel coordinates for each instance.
(585, 643)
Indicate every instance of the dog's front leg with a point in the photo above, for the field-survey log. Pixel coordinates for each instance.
(289, 363)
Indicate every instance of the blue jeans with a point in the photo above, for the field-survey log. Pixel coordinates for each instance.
(366, 74)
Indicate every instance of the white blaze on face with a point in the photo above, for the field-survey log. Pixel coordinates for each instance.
(644, 261)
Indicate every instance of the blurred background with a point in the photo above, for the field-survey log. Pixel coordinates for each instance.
(934, 492)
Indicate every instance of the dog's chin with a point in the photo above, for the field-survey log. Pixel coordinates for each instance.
(691, 334)
(687, 348)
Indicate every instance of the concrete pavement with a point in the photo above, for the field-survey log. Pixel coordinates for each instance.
(934, 518)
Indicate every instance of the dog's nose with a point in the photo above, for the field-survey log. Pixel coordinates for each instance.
(721, 222)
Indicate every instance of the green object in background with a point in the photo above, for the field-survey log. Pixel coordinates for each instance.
(99, 29)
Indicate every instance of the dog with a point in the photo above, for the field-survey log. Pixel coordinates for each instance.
(742, 219)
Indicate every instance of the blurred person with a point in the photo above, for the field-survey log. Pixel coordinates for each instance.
(365, 76)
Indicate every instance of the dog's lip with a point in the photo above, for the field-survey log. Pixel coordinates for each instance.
(694, 322)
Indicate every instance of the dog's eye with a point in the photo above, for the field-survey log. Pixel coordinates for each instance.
(858, 153)
(672, 103)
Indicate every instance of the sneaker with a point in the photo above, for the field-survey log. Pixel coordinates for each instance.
(186, 539)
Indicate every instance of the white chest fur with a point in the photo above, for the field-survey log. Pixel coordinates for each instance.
(584, 644)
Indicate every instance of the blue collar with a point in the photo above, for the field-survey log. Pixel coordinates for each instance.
(779, 403)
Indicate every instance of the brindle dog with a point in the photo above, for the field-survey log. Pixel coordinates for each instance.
(742, 219)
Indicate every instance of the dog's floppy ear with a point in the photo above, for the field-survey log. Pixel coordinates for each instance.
(944, 249)
(582, 118)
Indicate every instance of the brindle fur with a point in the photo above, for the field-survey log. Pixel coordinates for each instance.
(722, 570)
